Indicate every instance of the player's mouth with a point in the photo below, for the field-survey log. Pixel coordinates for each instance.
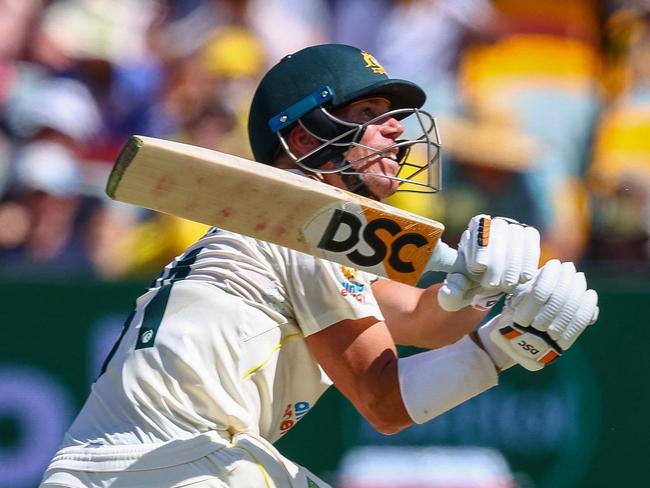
(390, 163)
(384, 162)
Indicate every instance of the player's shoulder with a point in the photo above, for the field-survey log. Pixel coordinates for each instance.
(216, 236)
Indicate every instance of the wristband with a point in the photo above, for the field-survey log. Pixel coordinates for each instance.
(436, 381)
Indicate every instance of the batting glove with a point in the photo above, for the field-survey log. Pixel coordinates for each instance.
(499, 254)
(542, 319)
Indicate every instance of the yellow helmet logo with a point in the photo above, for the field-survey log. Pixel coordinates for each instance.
(372, 63)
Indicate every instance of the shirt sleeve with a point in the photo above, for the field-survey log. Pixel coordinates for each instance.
(323, 293)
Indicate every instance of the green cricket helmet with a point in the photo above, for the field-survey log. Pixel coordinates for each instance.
(305, 87)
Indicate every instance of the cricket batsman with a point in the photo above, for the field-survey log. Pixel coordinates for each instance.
(237, 338)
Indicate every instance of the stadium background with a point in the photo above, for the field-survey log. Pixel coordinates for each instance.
(544, 110)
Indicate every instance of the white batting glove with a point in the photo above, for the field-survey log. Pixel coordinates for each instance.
(542, 319)
(499, 254)
(459, 291)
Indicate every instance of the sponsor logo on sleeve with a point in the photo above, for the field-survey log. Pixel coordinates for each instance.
(292, 414)
(351, 286)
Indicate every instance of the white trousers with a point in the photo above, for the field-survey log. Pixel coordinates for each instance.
(247, 462)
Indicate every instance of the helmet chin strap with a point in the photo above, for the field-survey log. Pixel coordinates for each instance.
(355, 184)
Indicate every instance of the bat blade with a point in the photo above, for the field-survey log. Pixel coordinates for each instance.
(278, 206)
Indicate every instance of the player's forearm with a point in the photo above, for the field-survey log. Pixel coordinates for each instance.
(360, 358)
(433, 327)
(415, 318)
(380, 401)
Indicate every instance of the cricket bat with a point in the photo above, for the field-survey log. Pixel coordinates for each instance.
(280, 207)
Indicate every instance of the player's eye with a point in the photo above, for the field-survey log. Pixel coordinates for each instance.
(370, 114)
(363, 112)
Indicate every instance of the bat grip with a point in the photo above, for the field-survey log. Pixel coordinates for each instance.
(446, 259)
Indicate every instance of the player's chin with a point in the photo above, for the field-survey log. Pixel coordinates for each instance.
(381, 187)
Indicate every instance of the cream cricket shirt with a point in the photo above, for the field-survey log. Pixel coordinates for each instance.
(217, 344)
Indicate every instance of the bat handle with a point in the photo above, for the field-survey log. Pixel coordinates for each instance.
(446, 259)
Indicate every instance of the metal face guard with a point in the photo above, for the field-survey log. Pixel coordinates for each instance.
(419, 155)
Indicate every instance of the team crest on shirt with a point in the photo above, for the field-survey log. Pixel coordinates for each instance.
(372, 63)
(351, 286)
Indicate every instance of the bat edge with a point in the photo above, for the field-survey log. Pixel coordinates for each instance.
(124, 159)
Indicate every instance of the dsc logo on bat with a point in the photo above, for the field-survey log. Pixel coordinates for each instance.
(373, 234)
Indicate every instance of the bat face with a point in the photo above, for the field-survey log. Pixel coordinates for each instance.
(372, 238)
(277, 206)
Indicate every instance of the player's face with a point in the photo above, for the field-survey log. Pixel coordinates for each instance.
(378, 135)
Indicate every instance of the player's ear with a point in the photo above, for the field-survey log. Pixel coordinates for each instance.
(300, 141)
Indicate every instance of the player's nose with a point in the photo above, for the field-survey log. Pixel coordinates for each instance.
(391, 128)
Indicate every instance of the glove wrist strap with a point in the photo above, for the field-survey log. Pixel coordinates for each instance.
(501, 360)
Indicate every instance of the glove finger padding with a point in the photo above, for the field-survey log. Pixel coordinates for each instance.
(545, 317)
(531, 254)
(570, 309)
(526, 305)
(473, 245)
(493, 252)
(515, 256)
(586, 315)
(550, 310)
(498, 254)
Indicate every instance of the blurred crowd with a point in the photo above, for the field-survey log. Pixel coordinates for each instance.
(543, 107)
